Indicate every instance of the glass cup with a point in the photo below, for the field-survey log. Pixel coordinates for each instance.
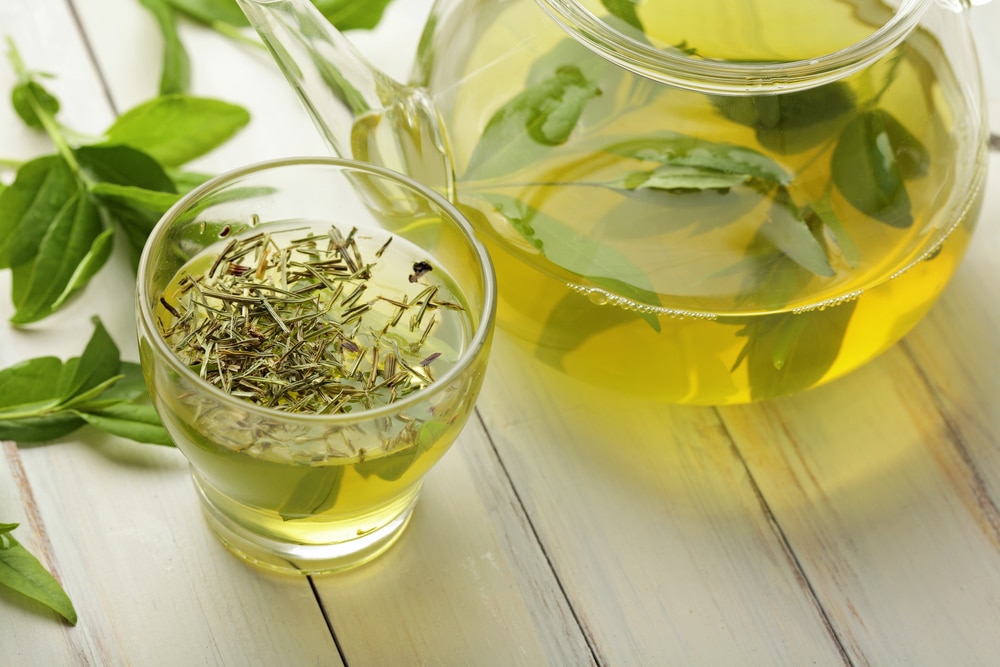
(327, 489)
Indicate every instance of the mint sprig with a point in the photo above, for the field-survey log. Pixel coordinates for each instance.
(59, 217)
(20, 571)
(44, 398)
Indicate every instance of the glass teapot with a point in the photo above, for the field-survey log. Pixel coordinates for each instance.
(705, 202)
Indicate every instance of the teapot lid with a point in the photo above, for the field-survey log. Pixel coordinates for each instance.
(739, 46)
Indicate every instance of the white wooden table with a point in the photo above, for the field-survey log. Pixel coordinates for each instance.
(856, 524)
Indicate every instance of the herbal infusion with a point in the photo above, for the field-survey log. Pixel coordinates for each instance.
(302, 321)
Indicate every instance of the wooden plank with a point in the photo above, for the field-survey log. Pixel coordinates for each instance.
(883, 513)
(958, 349)
(652, 524)
(466, 584)
(150, 584)
(887, 483)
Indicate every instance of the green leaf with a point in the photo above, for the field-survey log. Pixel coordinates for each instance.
(676, 178)
(176, 129)
(395, 465)
(582, 255)
(99, 362)
(67, 244)
(316, 492)
(571, 322)
(22, 572)
(212, 11)
(790, 352)
(39, 429)
(135, 196)
(624, 10)
(28, 98)
(176, 75)
(543, 115)
(790, 122)
(351, 14)
(872, 157)
(130, 387)
(26, 385)
(823, 209)
(790, 234)
(30, 205)
(88, 267)
(706, 157)
(187, 180)
(124, 165)
(138, 422)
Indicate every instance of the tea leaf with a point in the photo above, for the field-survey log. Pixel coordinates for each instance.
(176, 129)
(394, 465)
(823, 209)
(571, 322)
(789, 352)
(708, 158)
(676, 178)
(96, 257)
(625, 10)
(124, 165)
(579, 254)
(22, 572)
(99, 362)
(872, 157)
(30, 205)
(128, 420)
(43, 399)
(210, 12)
(543, 115)
(315, 493)
(790, 122)
(787, 231)
(30, 97)
(176, 75)
(131, 195)
(39, 429)
(69, 240)
(351, 14)
(71, 199)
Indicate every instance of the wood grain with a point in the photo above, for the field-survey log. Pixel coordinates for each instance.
(652, 523)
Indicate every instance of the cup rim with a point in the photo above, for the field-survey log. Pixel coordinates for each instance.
(482, 334)
(731, 78)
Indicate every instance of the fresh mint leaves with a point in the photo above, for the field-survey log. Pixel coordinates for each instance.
(59, 216)
(22, 572)
(44, 398)
(176, 75)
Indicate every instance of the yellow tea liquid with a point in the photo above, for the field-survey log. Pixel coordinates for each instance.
(295, 478)
(729, 322)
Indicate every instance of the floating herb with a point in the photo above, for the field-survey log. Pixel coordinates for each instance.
(304, 326)
(544, 114)
(873, 156)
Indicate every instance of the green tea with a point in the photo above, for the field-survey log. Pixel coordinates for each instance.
(384, 320)
(709, 248)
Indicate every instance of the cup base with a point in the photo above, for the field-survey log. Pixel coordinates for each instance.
(303, 559)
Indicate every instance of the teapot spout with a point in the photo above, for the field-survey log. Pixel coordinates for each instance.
(361, 112)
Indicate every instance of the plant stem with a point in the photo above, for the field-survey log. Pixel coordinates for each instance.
(52, 128)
